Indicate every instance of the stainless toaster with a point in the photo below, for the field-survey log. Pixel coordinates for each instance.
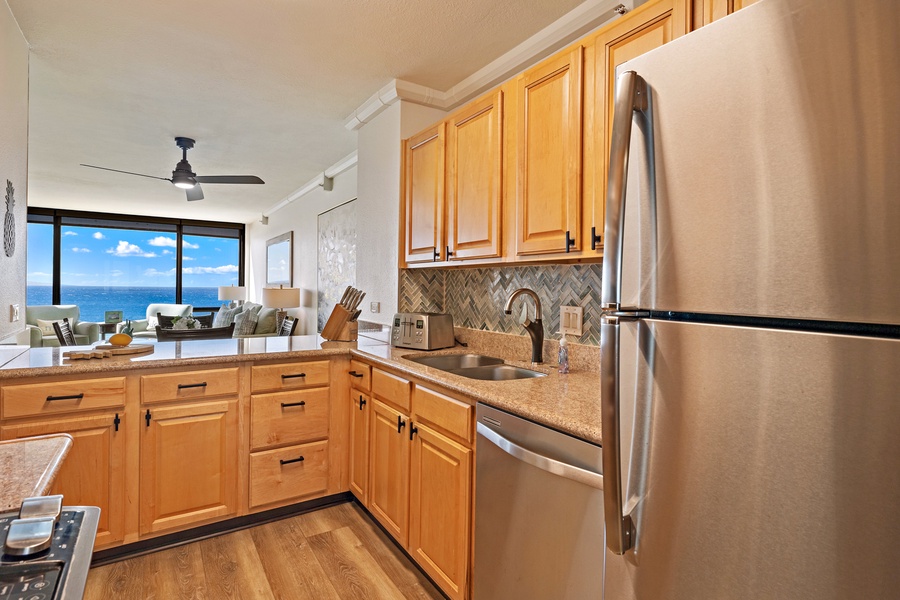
(422, 331)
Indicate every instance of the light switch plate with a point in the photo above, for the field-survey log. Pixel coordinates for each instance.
(375, 307)
(14, 313)
(571, 319)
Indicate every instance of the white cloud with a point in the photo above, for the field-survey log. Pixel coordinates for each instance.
(116, 273)
(167, 252)
(210, 270)
(126, 249)
(187, 244)
(155, 273)
(187, 258)
(162, 240)
(99, 236)
(69, 233)
(81, 250)
(39, 274)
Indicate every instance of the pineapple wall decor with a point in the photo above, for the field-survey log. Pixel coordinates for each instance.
(9, 222)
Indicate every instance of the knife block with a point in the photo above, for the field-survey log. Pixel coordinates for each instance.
(339, 328)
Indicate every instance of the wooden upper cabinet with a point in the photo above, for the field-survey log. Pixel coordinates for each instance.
(474, 179)
(548, 162)
(707, 11)
(647, 28)
(423, 166)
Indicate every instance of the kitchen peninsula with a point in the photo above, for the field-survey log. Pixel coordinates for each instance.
(208, 433)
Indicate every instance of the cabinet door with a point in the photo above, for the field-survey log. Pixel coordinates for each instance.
(474, 179)
(548, 177)
(423, 193)
(188, 464)
(635, 34)
(440, 497)
(359, 445)
(92, 474)
(389, 469)
(707, 11)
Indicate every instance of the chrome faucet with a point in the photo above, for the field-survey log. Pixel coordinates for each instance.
(534, 328)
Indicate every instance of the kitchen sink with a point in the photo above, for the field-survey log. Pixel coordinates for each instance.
(450, 362)
(476, 366)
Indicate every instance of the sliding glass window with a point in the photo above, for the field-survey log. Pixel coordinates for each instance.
(113, 263)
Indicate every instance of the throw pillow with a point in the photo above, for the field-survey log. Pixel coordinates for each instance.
(225, 316)
(266, 321)
(245, 322)
(46, 327)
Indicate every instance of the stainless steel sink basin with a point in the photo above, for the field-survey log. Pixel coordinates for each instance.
(498, 372)
(450, 362)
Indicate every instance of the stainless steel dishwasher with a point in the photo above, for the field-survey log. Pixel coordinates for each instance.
(538, 512)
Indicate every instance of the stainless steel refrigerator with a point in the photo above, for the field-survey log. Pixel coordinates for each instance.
(751, 291)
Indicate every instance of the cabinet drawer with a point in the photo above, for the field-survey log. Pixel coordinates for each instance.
(289, 376)
(62, 396)
(444, 412)
(391, 388)
(277, 475)
(288, 417)
(360, 375)
(188, 385)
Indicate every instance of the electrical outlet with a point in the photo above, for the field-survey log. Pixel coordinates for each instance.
(571, 320)
(375, 307)
(14, 313)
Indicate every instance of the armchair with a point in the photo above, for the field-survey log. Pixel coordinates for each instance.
(146, 328)
(86, 333)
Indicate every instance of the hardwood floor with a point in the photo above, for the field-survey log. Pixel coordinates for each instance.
(336, 553)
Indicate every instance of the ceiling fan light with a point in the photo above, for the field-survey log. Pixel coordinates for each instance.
(183, 181)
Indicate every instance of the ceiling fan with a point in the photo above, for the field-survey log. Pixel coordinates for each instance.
(185, 178)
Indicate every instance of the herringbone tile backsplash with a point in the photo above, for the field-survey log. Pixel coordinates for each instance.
(475, 297)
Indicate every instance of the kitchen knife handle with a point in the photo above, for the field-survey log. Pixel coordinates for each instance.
(632, 95)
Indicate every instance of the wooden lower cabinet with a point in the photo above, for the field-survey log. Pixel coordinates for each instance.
(440, 494)
(290, 473)
(389, 469)
(92, 474)
(189, 455)
(360, 408)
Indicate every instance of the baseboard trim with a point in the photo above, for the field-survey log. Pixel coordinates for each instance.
(179, 538)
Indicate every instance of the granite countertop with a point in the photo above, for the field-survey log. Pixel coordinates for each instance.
(569, 403)
(28, 467)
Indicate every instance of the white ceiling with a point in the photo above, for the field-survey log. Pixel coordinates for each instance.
(264, 87)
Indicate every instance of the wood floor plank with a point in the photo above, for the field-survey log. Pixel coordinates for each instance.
(352, 570)
(233, 569)
(291, 566)
(326, 519)
(117, 581)
(176, 574)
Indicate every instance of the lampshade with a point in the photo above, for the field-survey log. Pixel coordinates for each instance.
(232, 292)
(281, 297)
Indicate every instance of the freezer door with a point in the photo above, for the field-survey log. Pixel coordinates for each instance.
(777, 163)
(758, 464)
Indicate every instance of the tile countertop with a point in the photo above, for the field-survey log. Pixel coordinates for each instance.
(569, 403)
(28, 467)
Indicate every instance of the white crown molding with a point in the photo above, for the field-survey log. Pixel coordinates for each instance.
(571, 26)
(324, 180)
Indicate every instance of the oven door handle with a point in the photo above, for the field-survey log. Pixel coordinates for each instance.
(545, 463)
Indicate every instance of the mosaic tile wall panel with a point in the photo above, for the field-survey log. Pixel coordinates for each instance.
(475, 297)
(336, 257)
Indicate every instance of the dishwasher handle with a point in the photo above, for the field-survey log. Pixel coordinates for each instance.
(540, 461)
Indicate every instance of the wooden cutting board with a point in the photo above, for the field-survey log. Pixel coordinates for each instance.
(121, 350)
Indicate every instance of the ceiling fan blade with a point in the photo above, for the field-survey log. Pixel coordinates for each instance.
(194, 193)
(126, 172)
(229, 179)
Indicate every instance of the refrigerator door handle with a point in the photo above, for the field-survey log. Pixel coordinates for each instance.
(632, 94)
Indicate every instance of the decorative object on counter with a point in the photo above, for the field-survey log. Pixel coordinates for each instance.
(563, 355)
(146, 327)
(281, 298)
(287, 327)
(534, 328)
(120, 340)
(127, 329)
(279, 260)
(341, 325)
(108, 351)
(235, 294)
(206, 333)
(64, 332)
(180, 323)
(112, 316)
(9, 221)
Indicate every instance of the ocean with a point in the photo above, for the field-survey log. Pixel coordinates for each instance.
(94, 301)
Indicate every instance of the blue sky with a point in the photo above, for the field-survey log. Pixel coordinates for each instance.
(121, 257)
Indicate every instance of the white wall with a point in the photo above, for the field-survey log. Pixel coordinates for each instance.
(13, 165)
(378, 213)
(301, 217)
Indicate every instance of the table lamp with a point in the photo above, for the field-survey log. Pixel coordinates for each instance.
(233, 293)
(281, 298)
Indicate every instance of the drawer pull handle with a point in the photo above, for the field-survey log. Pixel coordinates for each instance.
(69, 397)
(355, 374)
(362, 402)
(293, 460)
(400, 424)
(293, 376)
(287, 404)
(184, 386)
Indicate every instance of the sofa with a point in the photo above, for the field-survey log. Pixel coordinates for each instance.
(42, 335)
(250, 319)
(146, 327)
